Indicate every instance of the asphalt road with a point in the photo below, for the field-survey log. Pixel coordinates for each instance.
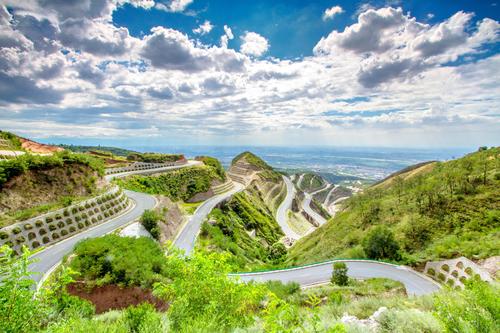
(52, 255)
(282, 213)
(414, 283)
(306, 205)
(189, 163)
(187, 237)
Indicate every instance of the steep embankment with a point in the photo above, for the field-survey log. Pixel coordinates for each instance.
(434, 211)
(32, 184)
(245, 226)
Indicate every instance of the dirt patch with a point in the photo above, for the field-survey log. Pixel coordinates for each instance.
(112, 297)
(38, 148)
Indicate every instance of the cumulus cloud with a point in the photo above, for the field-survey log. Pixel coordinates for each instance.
(228, 35)
(253, 44)
(331, 12)
(204, 28)
(174, 5)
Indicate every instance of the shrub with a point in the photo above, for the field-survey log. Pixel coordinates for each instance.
(99, 217)
(20, 240)
(116, 210)
(60, 224)
(380, 244)
(87, 205)
(58, 216)
(445, 268)
(141, 316)
(72, 229)
(460, 265)
(80, 225)
(28, 227)
(339, 274)
(42, 232)
(52, 227)
(106, 214)
(87, 223)
(55, 235)
(450, 282)
(84, 216)
(69, 221)
(277, 253)
(463, 279)
(431, 271)
(469, 271)
(81, 208)
(49, 219)
(35, 244)
(455, 274)
(31, 236)
(94, 220)
(441, 277)
(96, 210)
(99, 201)
(149, 220)
(4, 235)
(39, 223)
(64, 232)
(78, 218)
(16, 230)
(66, 212)
(74, 210)
(408, 321)
(45, 240)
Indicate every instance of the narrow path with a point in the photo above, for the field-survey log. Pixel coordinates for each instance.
(415, 283)
(306, 206)
(282, 213)
(187, 237)
(325, 203)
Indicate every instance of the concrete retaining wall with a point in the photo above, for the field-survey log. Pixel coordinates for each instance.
(455, 272)
(142, 166)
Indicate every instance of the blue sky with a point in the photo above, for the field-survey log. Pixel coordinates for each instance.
(347, 73)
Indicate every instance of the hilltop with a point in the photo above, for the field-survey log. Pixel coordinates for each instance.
(434, 211)
(12, 145)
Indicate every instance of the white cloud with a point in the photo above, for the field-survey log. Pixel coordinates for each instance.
(204, 28)
(174, 5)
(228, 35)
(331, 12)
(253, 44)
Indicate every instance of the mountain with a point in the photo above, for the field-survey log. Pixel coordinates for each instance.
(433, 211)
(246, 226)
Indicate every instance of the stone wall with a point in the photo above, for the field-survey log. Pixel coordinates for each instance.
(455, 272)
(55, 226)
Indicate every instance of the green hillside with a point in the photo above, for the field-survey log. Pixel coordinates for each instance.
(446, 210)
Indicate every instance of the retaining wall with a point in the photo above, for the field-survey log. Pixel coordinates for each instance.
(142, 166)
(455, 272)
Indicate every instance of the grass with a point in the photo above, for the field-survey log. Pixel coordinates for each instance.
(298, 223)
(190, 207)
(446, 212)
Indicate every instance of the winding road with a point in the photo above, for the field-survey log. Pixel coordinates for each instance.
(282, 213)
(187, 237)
(415, 283)
(306, 206)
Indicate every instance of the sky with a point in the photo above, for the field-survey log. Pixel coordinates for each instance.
(284, 72)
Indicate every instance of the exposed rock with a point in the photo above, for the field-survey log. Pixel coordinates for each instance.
(371, 323)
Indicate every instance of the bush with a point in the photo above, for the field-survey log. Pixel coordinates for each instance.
(137, 317)
(66, 212)
(277, 253)
(455, 274)
(60, 224)
(31, 236)
(339, 274)
(99, 217)
(42, 232)
(408, 321)
(450, 282)
(58, 216)
(445, 268)
(149, 220)
(16, 230)
(69, 221)
(4, 235)
(80, 225)
(78, 218)
(20, 240)
(72, 229)
(441, 277)
(380, 244)
(469, 271)
(87, 223)
(28, 227)
(45, 240)
(74, 210)
(55, 235)
(94, 220)
(35, 244)
(49, 219)
(52, 227)
(64, 232)
(431, 272)
(39, 223)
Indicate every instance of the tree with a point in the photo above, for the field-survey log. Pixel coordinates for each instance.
(149, 220)
(339, 274)
(380, 244)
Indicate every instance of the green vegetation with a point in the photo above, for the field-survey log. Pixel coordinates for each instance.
(13, 141)
(234, 222)
(28, 162)
(339, 274)
(119, 260)
(149, 220)
(380, 244)
(110, 150)
(252, 159)
(311, 182)
(181, 184)
(154, 157)
(214, 163)
(447, 210)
